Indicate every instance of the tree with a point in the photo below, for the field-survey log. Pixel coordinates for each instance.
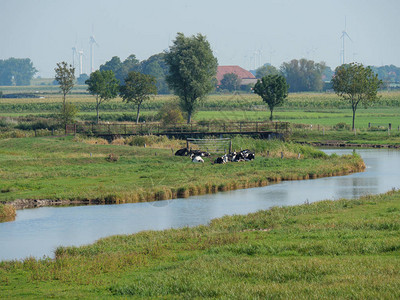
(265, 70)
(155, 65)
(230, 82)
(273, 89)
(121, 69)
(18, 71)
(81, 80)
(192, 69)
(356, 84)
(303, 75)
(104, 86)
(65, 76)
(138, 87)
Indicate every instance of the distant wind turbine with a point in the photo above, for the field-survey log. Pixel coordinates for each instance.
(343, 37)
(81, 54)
(74, 55)
(92, 42)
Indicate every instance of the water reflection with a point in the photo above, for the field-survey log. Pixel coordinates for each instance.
(37, 232)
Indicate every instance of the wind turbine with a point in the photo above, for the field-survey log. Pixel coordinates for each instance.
(81, 54)
(74, 54)
(92, 42)
(343, 37)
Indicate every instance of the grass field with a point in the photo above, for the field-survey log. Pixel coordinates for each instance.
(68, 168)
(344, 249)
(322, 109)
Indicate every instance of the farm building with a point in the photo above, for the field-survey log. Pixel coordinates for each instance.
(244, 75)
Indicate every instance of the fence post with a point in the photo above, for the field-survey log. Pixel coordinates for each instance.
(240, 126)
(256, 126)
(75, 129)
(390, 126)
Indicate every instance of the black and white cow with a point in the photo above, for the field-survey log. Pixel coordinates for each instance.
(196, 158)
(221, 160)
(182, 152)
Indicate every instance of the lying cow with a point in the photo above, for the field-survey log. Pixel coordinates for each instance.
(196, 158)
(182, 152)
(199, 153)
(221, 160)
(244, 155)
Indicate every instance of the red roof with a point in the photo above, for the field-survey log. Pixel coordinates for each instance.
(240, 72)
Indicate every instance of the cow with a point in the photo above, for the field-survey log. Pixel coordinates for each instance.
(221, 160)
(182, 152)
(199, 153)
(196, 158)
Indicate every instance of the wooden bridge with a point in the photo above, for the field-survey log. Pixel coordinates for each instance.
(199, 129)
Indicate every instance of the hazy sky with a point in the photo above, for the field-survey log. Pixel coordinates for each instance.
(245, 33)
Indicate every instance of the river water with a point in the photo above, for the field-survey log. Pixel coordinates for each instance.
(38, 232)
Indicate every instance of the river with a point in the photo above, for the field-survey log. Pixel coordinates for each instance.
(38, 232)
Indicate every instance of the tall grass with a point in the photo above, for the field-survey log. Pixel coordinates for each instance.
(7, 212)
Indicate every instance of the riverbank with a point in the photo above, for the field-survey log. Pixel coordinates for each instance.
(67, 170)
(327, 249)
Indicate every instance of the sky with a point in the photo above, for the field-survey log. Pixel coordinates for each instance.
(244, 33)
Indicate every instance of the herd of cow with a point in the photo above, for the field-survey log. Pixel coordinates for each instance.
(197, 156)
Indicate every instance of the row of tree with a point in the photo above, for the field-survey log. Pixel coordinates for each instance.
(154, 66)
(353, 83)
(302, 75)
(191, 74)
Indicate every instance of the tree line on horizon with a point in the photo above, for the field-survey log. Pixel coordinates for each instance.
(302, 75)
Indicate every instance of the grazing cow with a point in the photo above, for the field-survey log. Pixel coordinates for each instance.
(182, 152)
(196, 158)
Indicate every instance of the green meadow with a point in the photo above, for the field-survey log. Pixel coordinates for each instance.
(68, 168)
(344, 249)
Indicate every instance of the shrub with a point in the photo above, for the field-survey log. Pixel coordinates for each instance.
(68, 115)
(341, 126)
(112, 157)
(170, 113)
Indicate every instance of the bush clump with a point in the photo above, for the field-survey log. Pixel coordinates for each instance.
(341, 126)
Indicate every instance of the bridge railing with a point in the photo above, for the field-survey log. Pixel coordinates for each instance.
(158, 128)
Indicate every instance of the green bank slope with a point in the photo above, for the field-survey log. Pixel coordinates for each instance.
(345, 249)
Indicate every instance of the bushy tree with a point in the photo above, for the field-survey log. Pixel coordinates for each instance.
(137, 88)
(192, 70)
(104, 86)
(273, 89)
(230, 82)
(65, 76)
(303, 75)
(356, 84)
